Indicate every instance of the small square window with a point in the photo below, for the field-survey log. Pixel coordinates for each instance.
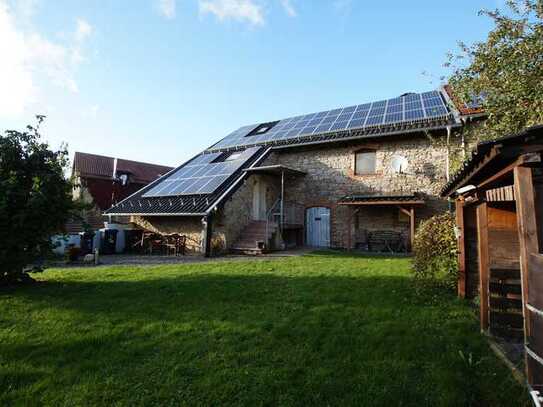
(364, 162)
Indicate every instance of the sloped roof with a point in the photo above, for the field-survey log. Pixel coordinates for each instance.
(465, 109)
(481, 155)
(99, 166)
(392, 198)
(185, 205)
(404, 115)
(408, 113)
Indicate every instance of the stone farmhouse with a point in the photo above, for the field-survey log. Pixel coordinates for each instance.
(359, 177)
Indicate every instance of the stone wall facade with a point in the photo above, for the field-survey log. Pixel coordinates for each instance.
(237, 212)
(228, 221)
(330, 176)
(191, 227)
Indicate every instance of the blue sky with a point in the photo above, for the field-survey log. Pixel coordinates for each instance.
(160, 80)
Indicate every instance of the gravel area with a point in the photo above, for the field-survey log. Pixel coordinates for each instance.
(135, 259)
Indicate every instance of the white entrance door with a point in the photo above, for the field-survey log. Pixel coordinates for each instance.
(259, 201)
(317, 222)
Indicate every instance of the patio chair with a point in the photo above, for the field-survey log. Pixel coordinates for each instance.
(175, 244)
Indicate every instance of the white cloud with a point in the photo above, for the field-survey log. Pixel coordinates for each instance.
(289, 8)
(44, 56)
(26, 8)
(91, 112)
(16, 84)
(166, 8)
(240, 10)
(83, 30)
(35, 62)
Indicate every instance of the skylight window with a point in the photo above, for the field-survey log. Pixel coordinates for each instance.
(233, 157)
(262, 129)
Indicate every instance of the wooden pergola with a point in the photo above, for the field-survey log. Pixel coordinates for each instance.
(405, 203)
(499, 216)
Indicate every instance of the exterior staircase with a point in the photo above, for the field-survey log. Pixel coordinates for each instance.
(254, 239)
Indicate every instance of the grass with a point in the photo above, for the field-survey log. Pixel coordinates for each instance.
(323, 329)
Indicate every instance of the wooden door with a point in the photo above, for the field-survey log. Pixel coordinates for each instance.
(259, 201)
(318, 227)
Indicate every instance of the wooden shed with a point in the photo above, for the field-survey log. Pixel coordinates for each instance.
(499, 215)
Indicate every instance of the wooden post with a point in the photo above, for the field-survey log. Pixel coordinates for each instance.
(462, 278)
(412, 227)
(411, 214)
(207, 235)
(527, 229)
(482, 249)
(351, 236)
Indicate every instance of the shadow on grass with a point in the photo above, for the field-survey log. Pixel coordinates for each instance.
(262, 339)
(357, 254)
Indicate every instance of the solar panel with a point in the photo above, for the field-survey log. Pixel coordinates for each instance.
(412, 107)
(202, 175)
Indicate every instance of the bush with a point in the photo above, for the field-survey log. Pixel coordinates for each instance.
(435, 252)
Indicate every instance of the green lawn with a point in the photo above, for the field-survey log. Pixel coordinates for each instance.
(323, 329)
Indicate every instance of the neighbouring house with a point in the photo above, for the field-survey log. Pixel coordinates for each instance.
(499, 216)
(356, 177)
(101, 182)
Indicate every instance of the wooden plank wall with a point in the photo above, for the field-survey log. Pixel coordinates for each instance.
(531, 262)
(505, 293)
(470, 244)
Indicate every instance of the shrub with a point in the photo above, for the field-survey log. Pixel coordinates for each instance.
(435, 252)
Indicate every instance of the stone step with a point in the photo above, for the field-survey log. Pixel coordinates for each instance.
(253, 234)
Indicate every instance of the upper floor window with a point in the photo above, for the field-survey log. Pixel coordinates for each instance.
(364, 162)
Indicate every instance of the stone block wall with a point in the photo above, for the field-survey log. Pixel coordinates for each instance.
(191, 227)
(330, 176)
(236, 213)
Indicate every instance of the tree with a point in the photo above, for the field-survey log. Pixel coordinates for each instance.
(506, 69)
(35, 200)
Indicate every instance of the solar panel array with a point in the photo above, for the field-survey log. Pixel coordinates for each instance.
(201, 175)
(412, 107)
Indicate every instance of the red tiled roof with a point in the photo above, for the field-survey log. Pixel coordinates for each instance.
(461, 106)
(93, 165)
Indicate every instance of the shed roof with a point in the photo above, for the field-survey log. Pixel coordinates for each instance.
(276, 170)
(99, 166)
(383, 199)
(499, 151)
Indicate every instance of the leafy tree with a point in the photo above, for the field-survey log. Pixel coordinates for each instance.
(507, 69)
(35, 200)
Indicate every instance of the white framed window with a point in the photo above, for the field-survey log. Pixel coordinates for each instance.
(364, 162)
